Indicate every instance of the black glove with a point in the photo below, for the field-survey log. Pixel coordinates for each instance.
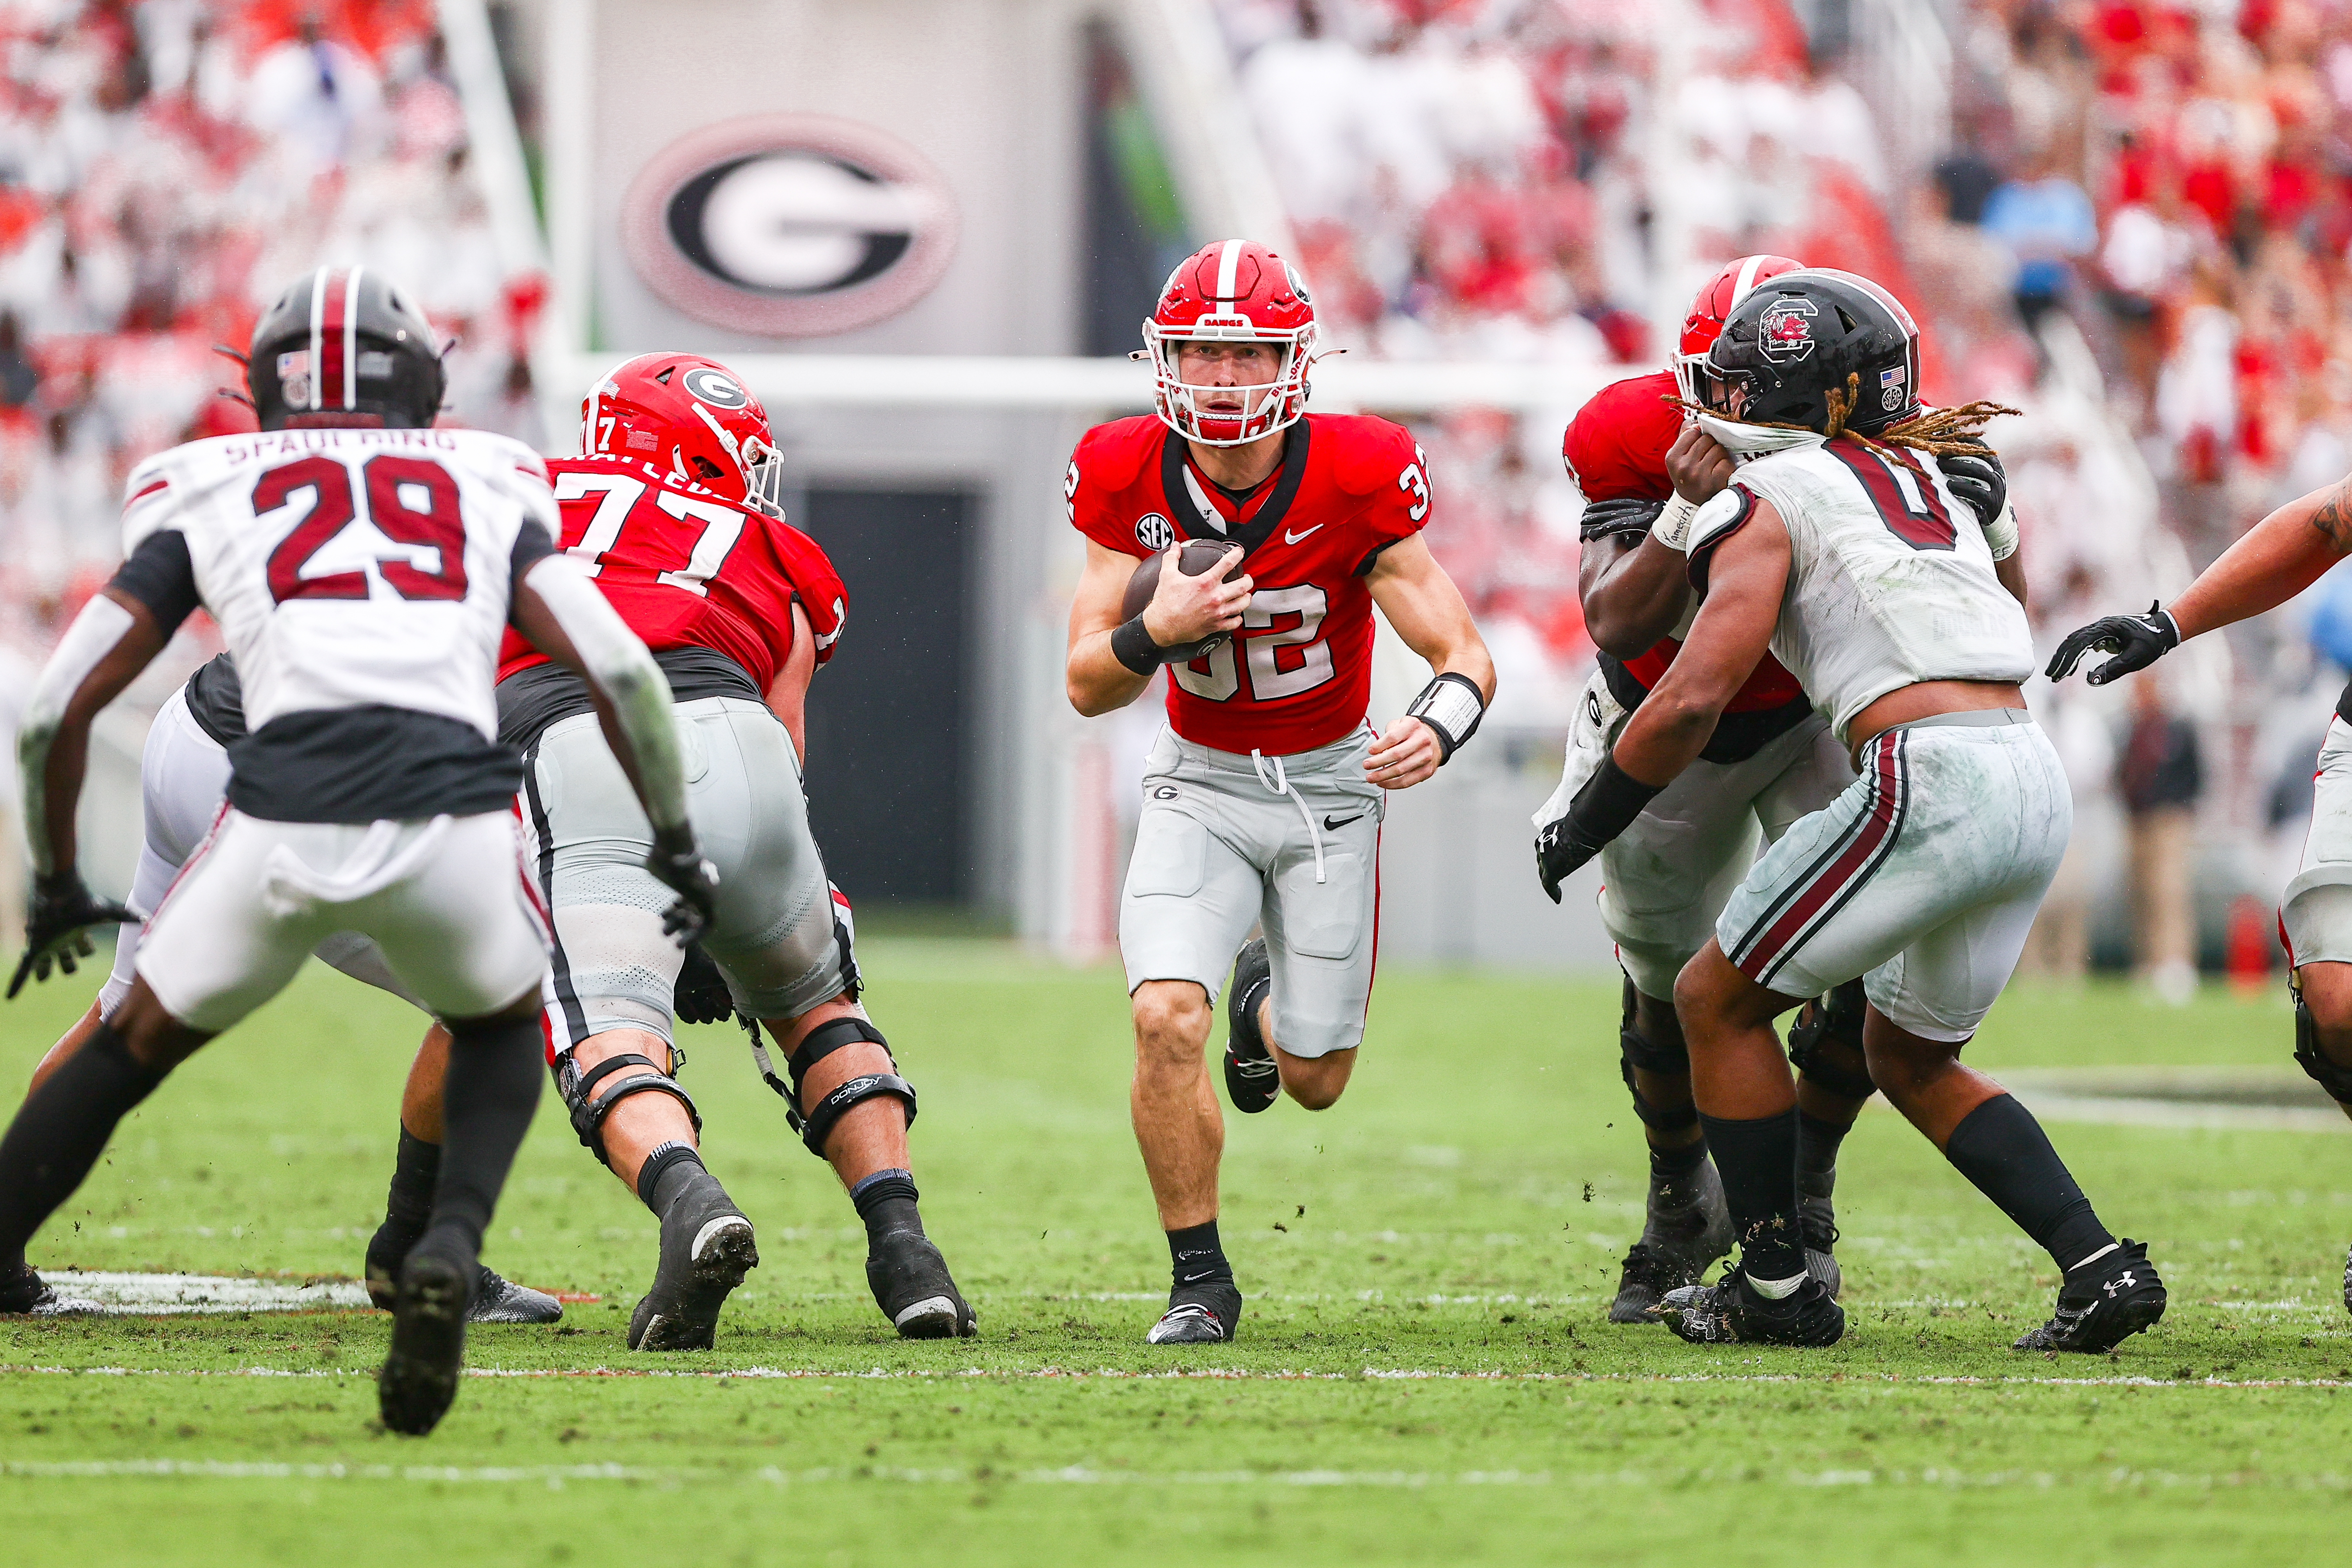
(2136, 641)
(1977, 478)
(694, 879)
(1606, 807)
(701, 997)
(57, 927)
(1624, 514)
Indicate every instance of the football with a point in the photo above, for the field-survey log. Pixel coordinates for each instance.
(1199, 555)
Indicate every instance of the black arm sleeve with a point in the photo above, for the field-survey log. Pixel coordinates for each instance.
(531, 546)
(160, 575)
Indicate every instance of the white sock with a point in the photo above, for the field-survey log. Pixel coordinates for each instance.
(1774, 1290)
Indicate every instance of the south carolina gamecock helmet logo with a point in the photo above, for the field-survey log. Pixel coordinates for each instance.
(1785, 332)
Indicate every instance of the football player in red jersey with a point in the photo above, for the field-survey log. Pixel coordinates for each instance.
(1773, 760)
(673, 505)
(1263, 797)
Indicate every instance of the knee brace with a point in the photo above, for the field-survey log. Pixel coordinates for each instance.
(817, 1124)
(1635, 1049)
(1832, 1024)
(2327, 1073)
(589, 1108)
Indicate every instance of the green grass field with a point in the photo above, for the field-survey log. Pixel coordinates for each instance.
(1424, 1373)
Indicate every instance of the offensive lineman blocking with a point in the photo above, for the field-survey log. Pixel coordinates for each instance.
(1263, 796)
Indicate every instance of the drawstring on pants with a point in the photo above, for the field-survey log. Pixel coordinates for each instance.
(1279, 782)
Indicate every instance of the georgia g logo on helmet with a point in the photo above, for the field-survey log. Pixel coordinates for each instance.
(1784, 333)
(716, 387)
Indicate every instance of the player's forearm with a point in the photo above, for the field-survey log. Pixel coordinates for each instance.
(582, 631)
(1667, 731)
(2272, 561)
(2011, 572)
(1635, 598)
(1097, 683)
(97, 657)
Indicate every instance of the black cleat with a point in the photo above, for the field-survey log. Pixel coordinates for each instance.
(1730, 1311)
(1207, 1313)
(1253, 1078)
(2102, 1304)
(27, 1295)
(912, 1285)
(1821, 1233)
(2347, 1281)
(706, 1248)
(496, 1300)
(1685, 1230)
(428, 1345)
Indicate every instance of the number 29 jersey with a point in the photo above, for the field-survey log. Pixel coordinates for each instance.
(687, 568)
(1298, 675)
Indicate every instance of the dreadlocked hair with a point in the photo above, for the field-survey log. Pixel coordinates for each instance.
(1939, 432)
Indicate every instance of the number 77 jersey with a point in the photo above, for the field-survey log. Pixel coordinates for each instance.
(1299, 674)
(687, 568)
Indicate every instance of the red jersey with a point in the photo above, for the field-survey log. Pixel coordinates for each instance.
(1298, 673)
(687, 568)
(1616, 446)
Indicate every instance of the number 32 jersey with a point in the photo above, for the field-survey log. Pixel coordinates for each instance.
(687, 568)
(1298, 673)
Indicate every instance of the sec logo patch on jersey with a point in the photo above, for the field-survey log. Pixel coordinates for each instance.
(1154, 533)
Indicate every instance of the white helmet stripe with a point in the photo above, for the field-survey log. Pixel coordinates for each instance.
(318, 336)
(1229, 266)
(351, 338)
(1747, 279)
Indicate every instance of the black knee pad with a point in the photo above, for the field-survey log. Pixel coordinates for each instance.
(2327, 1073)
(827, 1037)
(1635, 1049)
(1834, 1024)
(589, 1108)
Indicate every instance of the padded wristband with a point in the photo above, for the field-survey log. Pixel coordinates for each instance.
(1608, 804)
(1452, 705)
(1672, 527)
(1132, 646)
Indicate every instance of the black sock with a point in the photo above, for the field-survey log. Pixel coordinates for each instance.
(1671, 1166)
(885, 1202)
(408, 1202)
(60, 1130)
(486, 1100)
(1196, 1256)
(1817, 1151)
(2002, 1149)
(1758, 1162)
(666, 1175)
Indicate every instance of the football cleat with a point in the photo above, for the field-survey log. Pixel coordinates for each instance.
(2347, 1281)
(498, 1299)
(1820, 1234)
(910, 1283)
(1203, 1314)
(1685, 1230)
(1253, 1078)
(1731, 1312)
(420, 1372)
(706, 1248)
(2102, 1304)
(26, 1294)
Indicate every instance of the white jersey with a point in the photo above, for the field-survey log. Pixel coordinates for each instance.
(1890, 580)
(351, 568)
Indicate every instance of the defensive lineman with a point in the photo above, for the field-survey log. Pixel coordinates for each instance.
(1850, 558)
(2272, 561)
(1262, 797)
(363, 566)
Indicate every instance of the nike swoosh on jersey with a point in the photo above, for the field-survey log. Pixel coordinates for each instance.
(1333, 825)
(1290, 537)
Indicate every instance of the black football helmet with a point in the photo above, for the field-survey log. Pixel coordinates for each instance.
(1797, 336)
(343, 341)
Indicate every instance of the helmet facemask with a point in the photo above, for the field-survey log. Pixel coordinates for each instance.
(1191, 409)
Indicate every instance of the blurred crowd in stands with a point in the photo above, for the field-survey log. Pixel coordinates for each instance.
(165, 166)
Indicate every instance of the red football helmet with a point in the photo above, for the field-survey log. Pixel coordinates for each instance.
(1714, 307)
(1233, 290)
(692, 415)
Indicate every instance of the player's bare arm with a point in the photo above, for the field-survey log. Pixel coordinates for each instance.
(2272, 561)
(111, 641)
(1427, 611)
(788, 693)
(1183, 609)
(1746, 576)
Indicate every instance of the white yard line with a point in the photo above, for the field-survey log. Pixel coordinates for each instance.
(143, 1294)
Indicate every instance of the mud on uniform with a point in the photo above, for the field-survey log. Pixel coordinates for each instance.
(363, 578)
(1925, 874)
(1256, 807)
(710, 586)
(1771, 758)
